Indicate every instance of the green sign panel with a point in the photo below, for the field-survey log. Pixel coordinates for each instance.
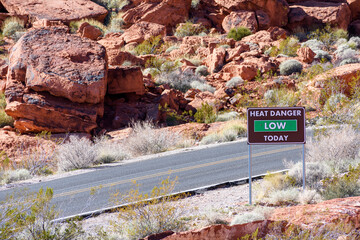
(275, 126)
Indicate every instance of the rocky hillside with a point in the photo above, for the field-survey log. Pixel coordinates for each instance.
(83, 66)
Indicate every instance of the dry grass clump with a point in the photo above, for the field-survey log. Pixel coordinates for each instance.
(147, 138)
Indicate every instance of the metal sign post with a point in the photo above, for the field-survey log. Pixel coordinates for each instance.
(276, 126)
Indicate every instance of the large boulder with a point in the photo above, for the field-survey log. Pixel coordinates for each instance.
(167, 12)
(310, 14)
(64, 10)
(276, 10)
(56, 82)
(125, 80)
(240, 19)
(141, 31)
(355, 8)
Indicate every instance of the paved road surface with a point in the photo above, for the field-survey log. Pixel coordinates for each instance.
(194, 168)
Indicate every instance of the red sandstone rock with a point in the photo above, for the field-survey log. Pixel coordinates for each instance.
(240, 19)
(141, 31)
(205, 97)
(310, 13)
(354, 8)
(234, 53)
(191, 93)
(306, 55)
(223, 232)
(54, 10)
(167, 12)
(125, 80)
(346, 76)
(89, 31)
(262, 38)
(346, 210)
(277, 10)
(215, 61)
(56, 82)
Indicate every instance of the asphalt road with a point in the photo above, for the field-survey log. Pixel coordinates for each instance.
(194, 168)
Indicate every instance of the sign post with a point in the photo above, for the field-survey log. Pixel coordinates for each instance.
(276, 126)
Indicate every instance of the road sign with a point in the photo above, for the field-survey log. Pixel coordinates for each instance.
(276, 125)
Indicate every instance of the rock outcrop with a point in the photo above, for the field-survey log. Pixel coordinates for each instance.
(125, 80)
(167, 12)
(141, 31)
(310, 14)
(275, 11)
(346, 210)
(56, 82)
(63, 10)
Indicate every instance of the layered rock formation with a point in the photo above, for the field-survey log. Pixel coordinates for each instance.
(56, 82)
(64, 10)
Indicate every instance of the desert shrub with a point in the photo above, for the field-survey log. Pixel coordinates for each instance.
(226, 116)
(108, 151)
(349, 61)
(30, 216)
(322, 55)
(189, 29)
(335, 102)
(147, 138)
(281, 97)
(11, 26)
(116, 24)
(230, 132)
(239, 33)
(74, 25)
(355, 41)
(346, 185)
(110, 4)
(205, 114)
(288, 47)
(257, 214)
(272, 182)
(16, 175)
(202, 70)
(335, 147)
(346, 54)
(76, 153)
(291, 66)
(313, 44)
(202, 86)
(309, 197)
(282, 197)
(5, 120)
(152, 71)
(234, 82)
(150, 213)
(328, 35)
(182, 80)
(171, 48)
(169, 66)
(315, 172)
(151, 46)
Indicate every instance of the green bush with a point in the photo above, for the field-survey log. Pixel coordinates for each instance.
(151, 46)
(11, 26)
(281, 97)
(239, 33)
(288, 47)
(205, 114)
(291, 66)
(30, 216)
(5, 120)
(152, 213)
(342, 186)
(328, 35)
(189, 29)
(322, 55)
